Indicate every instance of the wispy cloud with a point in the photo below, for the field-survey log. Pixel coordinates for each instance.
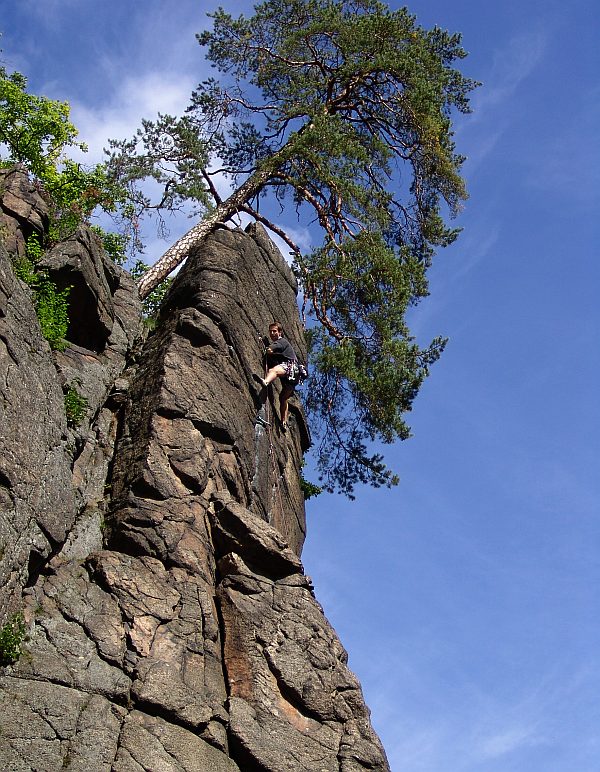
(505, 741)
(470, 731)
(567, 164)
(531, 719)
(51, 13)
(511, 66)
(476, 245)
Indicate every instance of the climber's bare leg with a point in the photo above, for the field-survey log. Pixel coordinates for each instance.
(275, 372)
(286, 393)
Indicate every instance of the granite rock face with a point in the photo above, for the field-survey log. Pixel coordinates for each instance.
(155, 548)
(51, 472)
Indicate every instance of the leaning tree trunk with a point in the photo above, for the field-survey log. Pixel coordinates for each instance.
(176, 254)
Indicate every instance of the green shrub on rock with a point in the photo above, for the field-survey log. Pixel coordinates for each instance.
(75, 406)
(52, 308)
(51, 304)
(12, 636)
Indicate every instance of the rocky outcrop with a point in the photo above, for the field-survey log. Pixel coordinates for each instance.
(155, 548)
(52, 473)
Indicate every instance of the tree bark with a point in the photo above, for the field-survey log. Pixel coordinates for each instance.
(177, 253)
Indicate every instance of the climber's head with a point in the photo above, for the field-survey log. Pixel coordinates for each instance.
(275, 331)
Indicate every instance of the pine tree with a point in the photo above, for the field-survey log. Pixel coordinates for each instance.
(342, 108)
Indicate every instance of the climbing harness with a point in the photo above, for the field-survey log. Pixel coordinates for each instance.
(302, 373)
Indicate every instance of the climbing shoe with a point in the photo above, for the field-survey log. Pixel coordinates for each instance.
(262, 421)
(260, 380)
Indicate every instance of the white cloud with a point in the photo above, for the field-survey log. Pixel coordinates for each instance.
(138, 97)
(118, 117)
(300, 236)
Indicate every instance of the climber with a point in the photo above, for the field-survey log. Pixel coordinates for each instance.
(282, 363)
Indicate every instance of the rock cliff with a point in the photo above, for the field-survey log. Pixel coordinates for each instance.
(154, 547)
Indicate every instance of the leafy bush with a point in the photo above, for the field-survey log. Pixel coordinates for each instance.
(51, 304)
(12, 636)
(25, 267)
(35, 131)
(34, 249)
(73, 193)
(115, 244)
(76, 406)
(308, 489)
(52, 308)
(25, 270)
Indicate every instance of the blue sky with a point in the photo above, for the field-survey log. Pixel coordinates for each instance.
(468, 597)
